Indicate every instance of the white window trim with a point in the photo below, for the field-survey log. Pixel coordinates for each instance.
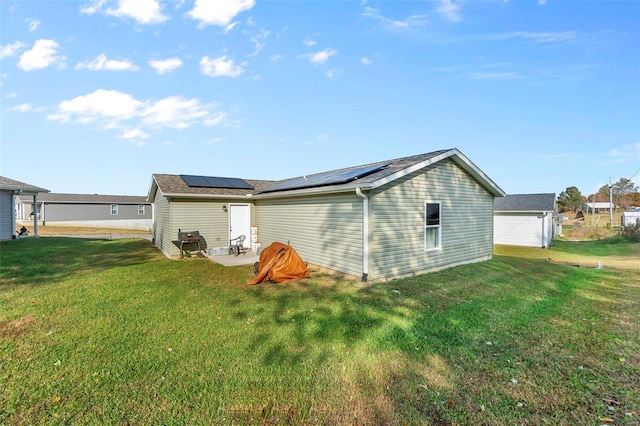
(139, 211)
(439, 226)
(112, 209)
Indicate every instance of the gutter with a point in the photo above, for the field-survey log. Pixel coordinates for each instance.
(365, 234)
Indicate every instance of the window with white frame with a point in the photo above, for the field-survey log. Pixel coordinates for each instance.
(140, 208)
(432, 225)
(114, 209)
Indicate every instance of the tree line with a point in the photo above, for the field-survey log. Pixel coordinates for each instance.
(624, 195)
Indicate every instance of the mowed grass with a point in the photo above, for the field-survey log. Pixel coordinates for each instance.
(112, 332)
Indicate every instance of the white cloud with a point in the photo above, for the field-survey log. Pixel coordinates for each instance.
(175, 112)
(22, 107)
(134, 134)
(215, 119)
(214, 141)
(321, 57)
(43, 53)
(449, 10)
(7, 50)
(11, 95)
(114, 110)
(143, 11)
(496, 76)
(219, 67)
(229, 27)
(542, 2)
(33, 24)
(109, 105)
(407, 23)
(165, 65)
(332, 73)
(543, 37)
(93, 7)
(275, 58)
(101, 63)
(219, 12)
(258, 40)
(309, 43)
(366, 61)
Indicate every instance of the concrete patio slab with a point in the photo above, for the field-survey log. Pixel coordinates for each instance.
(248, 258)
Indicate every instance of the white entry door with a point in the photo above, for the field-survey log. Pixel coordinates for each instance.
(240, 222)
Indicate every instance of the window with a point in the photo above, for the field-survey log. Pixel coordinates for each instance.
(114, 209)
(140, 208)
(432, 229)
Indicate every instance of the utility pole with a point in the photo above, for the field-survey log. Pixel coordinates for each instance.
(610, 204)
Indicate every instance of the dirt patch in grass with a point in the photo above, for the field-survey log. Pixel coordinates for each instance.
(16, 327)
(58, 230)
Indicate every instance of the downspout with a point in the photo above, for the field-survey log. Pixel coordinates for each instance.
(365, 234)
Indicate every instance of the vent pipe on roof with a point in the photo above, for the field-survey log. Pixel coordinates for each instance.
(365, 234)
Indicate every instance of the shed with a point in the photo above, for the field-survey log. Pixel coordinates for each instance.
(91, 210)
(378, 221)
(630, 218)
(9, 189)
(525, 220)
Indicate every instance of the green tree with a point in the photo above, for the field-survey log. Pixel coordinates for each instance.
(622, 192)
(570, 199)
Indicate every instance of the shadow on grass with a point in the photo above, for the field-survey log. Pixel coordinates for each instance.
(433, 321)
(37, 261)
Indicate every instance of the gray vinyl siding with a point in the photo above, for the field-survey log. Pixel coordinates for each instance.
(6, 215)
(207, 217)
(162, 224)
(325, 231)
(67, 212)
(397, 222)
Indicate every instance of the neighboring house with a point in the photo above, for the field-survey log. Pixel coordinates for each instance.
(590, 207)
(92, 210)
(525, 220)
(630, 218)
(383, 220)
(9, 190)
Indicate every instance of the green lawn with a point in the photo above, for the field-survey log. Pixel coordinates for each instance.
(112, 332)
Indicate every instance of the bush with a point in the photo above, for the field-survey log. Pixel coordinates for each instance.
(631, 232)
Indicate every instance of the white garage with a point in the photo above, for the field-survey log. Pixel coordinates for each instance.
(524, 220)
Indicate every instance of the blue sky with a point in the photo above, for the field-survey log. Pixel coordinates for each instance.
(96, 96)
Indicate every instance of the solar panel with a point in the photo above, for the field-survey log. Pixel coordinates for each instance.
(331, 178)
(215, 182)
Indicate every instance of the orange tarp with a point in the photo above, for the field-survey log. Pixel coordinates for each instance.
(280, 263)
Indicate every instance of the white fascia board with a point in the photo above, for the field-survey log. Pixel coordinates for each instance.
(310, 192)
(459, 159)
(208, 196)
(153, 190)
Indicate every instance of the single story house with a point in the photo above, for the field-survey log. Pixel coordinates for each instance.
(92, 210)
(9, 190)
(525, 220)
(597, 207)
(378, 221)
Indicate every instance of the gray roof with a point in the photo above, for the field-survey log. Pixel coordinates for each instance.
(173, 185)
(526, 203)
(17, 186)
(91, 198)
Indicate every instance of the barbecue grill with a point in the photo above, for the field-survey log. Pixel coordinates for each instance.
(188, 241)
